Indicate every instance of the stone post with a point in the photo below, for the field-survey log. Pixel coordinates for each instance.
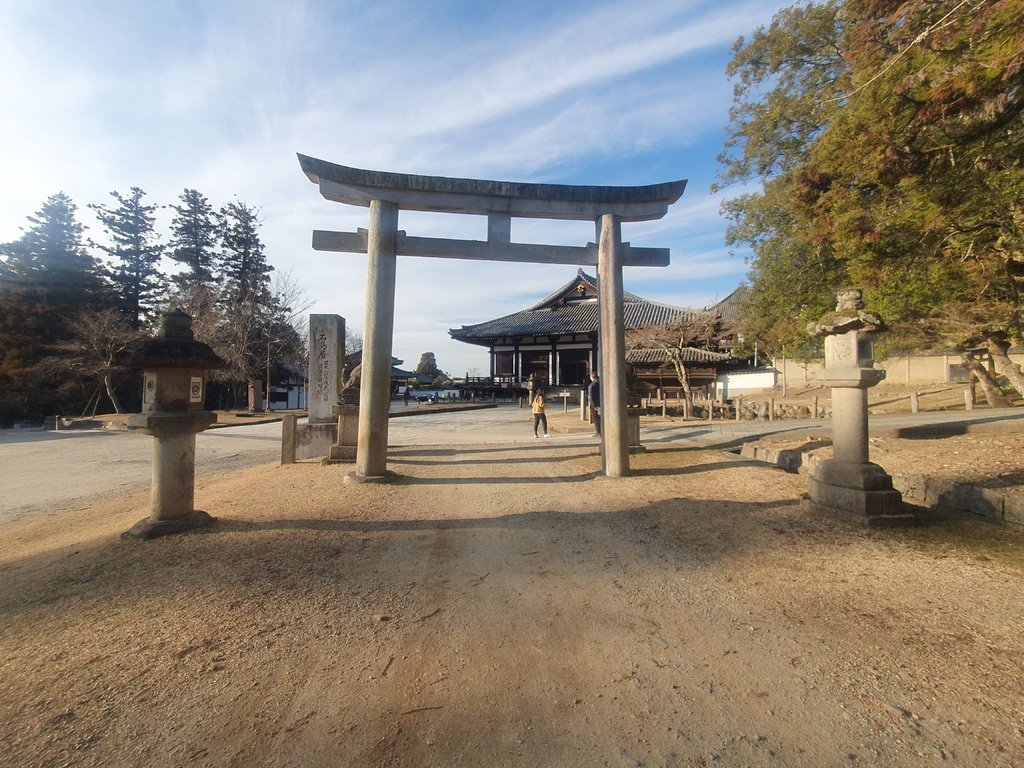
(326, 365)
(849, 483)
(174, 387)
(375, 382)
(614, 430)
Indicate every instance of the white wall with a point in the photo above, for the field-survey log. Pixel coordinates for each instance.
(735, 383)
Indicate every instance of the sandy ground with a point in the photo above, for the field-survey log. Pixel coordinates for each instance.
(499, 606)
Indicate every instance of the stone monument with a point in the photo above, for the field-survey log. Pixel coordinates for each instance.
(849, 483)
(326, 366)
(174, 386)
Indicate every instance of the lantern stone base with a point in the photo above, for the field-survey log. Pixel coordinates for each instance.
(355, 479)
(340, 454)
(857, 490)
(344, 449)
(147, 528)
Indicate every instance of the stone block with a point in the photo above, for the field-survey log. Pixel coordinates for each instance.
(1013, 510)
(341, 454)
(326, 365)
(856, 501)
(861, 477)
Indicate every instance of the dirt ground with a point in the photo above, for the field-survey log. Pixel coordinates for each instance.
(499, 606)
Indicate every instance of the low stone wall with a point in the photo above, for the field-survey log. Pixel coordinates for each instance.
(306, 441)
(961, 498)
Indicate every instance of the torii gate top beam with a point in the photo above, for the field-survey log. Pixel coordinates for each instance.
(357, 186)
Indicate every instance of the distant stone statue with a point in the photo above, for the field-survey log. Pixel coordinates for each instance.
(349, 393)
(352, 382)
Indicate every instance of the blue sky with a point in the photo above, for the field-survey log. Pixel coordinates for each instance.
(221, 95)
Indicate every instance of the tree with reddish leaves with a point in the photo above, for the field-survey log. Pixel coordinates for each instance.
(908, 181)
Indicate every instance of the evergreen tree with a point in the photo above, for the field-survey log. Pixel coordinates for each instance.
(788, 80)
(248, 305)
(51, 257)
(428, 365)
(135, 254)
(243, 266)
(195, 233)
(46, 278)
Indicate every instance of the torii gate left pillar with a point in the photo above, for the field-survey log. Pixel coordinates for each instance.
(378, 330)
(386, 193)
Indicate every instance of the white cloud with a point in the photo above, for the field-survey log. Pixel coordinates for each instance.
(220, 95)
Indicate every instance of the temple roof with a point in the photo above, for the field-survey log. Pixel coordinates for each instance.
(571, 309)
(690, 355)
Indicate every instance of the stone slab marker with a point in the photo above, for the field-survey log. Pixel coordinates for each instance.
(326, 366)
(849, 483)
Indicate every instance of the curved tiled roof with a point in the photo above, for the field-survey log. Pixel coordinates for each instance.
(690, 355)
(558, 314)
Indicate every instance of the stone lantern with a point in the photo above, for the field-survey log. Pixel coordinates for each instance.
(849, 482)
(174, 387)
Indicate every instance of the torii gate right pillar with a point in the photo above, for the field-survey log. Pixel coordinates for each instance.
(614, 435)
(375, 381)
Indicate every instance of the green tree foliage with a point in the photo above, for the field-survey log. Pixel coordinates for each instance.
(243, 267)
(46, 277)
(888, 138)
(787, 78)
(248, 305)
(51, 259)
(195, 235)
(135, 254)
(64, 327)
(428, 365)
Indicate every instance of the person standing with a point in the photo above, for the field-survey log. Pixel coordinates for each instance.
(594, 395)
(539, 417)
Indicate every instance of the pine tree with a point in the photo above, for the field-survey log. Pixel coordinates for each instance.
(47, 278)
(51, 258)
(135, 253)
(427, 365)
(243, 266)
(248, 304)
(195, 232)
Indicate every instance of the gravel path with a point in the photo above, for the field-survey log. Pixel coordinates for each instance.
(499, 606)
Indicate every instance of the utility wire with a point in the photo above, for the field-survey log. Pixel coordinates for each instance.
(940, 24)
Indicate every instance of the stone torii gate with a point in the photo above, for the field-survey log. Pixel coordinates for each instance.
(387, 193)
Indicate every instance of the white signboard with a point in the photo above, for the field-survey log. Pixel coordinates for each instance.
(195, 390)
(149, 389)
